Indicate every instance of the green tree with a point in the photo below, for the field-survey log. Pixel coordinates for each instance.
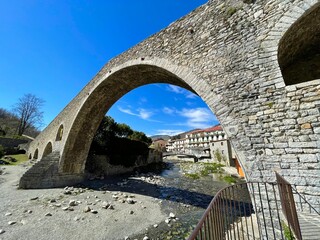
(140, 136)
(28, 111)
(105, 132)
(123, 130)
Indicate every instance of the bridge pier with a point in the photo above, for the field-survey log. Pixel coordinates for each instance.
(45, 174)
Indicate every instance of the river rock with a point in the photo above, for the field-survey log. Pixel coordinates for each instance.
(105, 205)
(146, 238)
(130, 201)
(12, 222)
(2, 231)
(8, 214)
(172, 215)
(72, 203)
(87, 209)
(24, 222)
(48, 214)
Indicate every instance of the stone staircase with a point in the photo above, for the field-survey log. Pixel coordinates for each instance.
(309, 225)
(45, 174)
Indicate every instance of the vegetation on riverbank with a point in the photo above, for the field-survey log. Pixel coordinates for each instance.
(198, 170)
(229, 179)
(14, 159)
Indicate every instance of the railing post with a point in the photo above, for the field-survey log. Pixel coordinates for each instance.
(288, 205)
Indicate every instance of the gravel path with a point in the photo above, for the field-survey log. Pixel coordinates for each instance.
(73, 213)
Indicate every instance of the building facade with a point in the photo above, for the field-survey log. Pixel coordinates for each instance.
(210, 143)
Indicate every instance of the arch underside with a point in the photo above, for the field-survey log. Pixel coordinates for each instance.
(100, 101)
(299, 49)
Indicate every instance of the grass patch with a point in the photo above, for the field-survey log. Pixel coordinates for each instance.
(288, 234)
(20, 158)
(192, 175)
(229, 179)
(196, 170)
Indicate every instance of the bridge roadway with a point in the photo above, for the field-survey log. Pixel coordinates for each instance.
(197, 156)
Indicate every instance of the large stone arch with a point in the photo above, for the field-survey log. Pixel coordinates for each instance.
(231, 61)
(113, 86)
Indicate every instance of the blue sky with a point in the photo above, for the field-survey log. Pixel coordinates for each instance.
(53, 49)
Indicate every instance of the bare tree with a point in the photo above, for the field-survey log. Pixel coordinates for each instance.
(28, 111)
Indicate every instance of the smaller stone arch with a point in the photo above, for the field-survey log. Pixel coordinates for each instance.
(59, 133)
(36, 153)
(47, 150)
(299, 52)
(30, 156)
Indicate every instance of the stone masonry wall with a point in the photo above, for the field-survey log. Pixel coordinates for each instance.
(227, 52)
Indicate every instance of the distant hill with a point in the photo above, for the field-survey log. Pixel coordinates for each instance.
(164, 137)
(9, 124)
(178, 136)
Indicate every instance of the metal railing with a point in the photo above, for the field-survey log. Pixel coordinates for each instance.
(302, 204)
(288, 205)
(251, 210)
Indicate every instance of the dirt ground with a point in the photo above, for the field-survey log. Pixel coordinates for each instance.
(101, 212)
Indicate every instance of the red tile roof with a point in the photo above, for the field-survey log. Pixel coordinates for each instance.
(211, 129)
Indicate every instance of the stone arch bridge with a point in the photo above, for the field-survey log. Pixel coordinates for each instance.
(255, 63)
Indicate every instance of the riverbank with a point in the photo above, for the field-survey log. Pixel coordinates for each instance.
(165, 204)
(105, 212)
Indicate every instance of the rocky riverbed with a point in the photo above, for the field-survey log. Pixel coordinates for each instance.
(105, 212)
(162, 205)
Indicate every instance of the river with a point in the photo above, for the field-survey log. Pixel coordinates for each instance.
(185, 197)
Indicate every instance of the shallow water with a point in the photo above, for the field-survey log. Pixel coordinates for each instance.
(186, 198)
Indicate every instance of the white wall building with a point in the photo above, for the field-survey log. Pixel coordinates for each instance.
(208, 142)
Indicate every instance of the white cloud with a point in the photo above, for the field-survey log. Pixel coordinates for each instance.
(128, 111)
(168, 110)
(170, 132)
(191, 95)
(198, 117)
(140, 112)
(175, 89)
(179, 90)
(144, 114)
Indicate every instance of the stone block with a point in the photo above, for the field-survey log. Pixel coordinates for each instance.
(303, 144)
(309, 158)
